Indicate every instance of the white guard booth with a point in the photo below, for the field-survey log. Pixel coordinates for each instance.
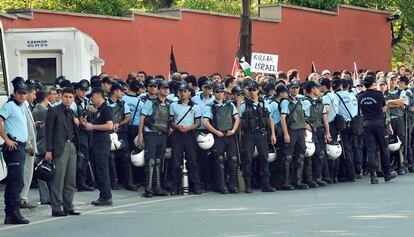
(46, 53)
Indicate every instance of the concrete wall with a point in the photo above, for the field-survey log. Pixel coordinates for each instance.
(207, 42)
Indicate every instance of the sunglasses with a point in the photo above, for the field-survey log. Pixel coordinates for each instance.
(152, 86)
(252, 90)
(219, 91)
(359, 85)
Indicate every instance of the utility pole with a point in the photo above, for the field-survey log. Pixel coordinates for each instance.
(245, 48)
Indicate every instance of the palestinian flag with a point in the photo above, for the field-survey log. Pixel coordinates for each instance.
(245, 67)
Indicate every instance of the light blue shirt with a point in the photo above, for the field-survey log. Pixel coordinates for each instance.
(178, 110)
(351, 103)
(173, 98)
(15, 122)
(132, 102)
(274, 111)
(306, 107)
(202, 104)
(332, 101)
(209, 115)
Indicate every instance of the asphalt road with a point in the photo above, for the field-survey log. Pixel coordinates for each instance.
(346, 209)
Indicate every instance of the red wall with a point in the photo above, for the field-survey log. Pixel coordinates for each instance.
(206, 43)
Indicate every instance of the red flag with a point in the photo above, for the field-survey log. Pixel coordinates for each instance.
(313, 67)
(235, 67)
(355, 72)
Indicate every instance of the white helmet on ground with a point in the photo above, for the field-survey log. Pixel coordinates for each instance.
(333, 150)
(310, 146)
(205, 141)
(394, 143)
(137, 158)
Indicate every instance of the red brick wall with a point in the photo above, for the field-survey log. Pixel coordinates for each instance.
(206, 43)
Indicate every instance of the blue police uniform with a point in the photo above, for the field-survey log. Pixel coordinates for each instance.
(185, 142)
(15, 126)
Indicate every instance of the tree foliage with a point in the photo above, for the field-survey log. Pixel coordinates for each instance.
(402, 52)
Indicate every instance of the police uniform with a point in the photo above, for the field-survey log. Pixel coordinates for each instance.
(256, 128)
(398, 126)
(221, 116)
(185, 142)
(276, 167)
(121, 156)
(371, 103)
(330, 99)
(295, 150)
(101, 147)
(314, 110)
(348, 108)
(156, 128)
(203, 156)
(79, 107)
(15, 125)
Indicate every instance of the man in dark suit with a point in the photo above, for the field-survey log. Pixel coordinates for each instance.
(61, 132)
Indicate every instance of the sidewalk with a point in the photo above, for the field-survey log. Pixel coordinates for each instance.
(82, 202)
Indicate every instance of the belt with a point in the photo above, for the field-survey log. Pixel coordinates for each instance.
(155, 133)
(395, 117)
(21, 143)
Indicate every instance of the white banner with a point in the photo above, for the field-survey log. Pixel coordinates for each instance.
(264, 63)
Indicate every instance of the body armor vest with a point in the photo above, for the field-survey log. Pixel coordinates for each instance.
(255, 119)
(397, 111)
(222, 116)
(296, 118)
(316, 113)
(159, 120)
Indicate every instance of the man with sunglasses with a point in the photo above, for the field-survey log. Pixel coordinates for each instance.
(222, 120)
(256, 124)
(203, 100)
(185, 119)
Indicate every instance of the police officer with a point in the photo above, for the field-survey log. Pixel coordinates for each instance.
(80, 108)
(276, 167)
(131, 98)
(317, 123)
(13, 130)
(256, 124)
(222, 120)
(396, 104)
(403, 82)
(293, 124)
(331, 103)
(122, 117)
(348, 108)
(205, 162)
(185, 116)
(372, 105)
(100, 127)
(153, 129)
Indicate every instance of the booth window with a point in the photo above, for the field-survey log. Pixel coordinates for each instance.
(42, 69)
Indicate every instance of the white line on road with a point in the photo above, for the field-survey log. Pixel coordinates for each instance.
(51, 219)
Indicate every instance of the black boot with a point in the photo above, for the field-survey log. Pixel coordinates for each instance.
(149, 172)
(221, 175)
(286, 173)
(247, 186)
(113, 173)
(319, 167)
(308, 173)
(299, 174)
(374, 179)
(127, 170)
(15, 218)
(158, 191)
(391, 175)
(233, 178)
